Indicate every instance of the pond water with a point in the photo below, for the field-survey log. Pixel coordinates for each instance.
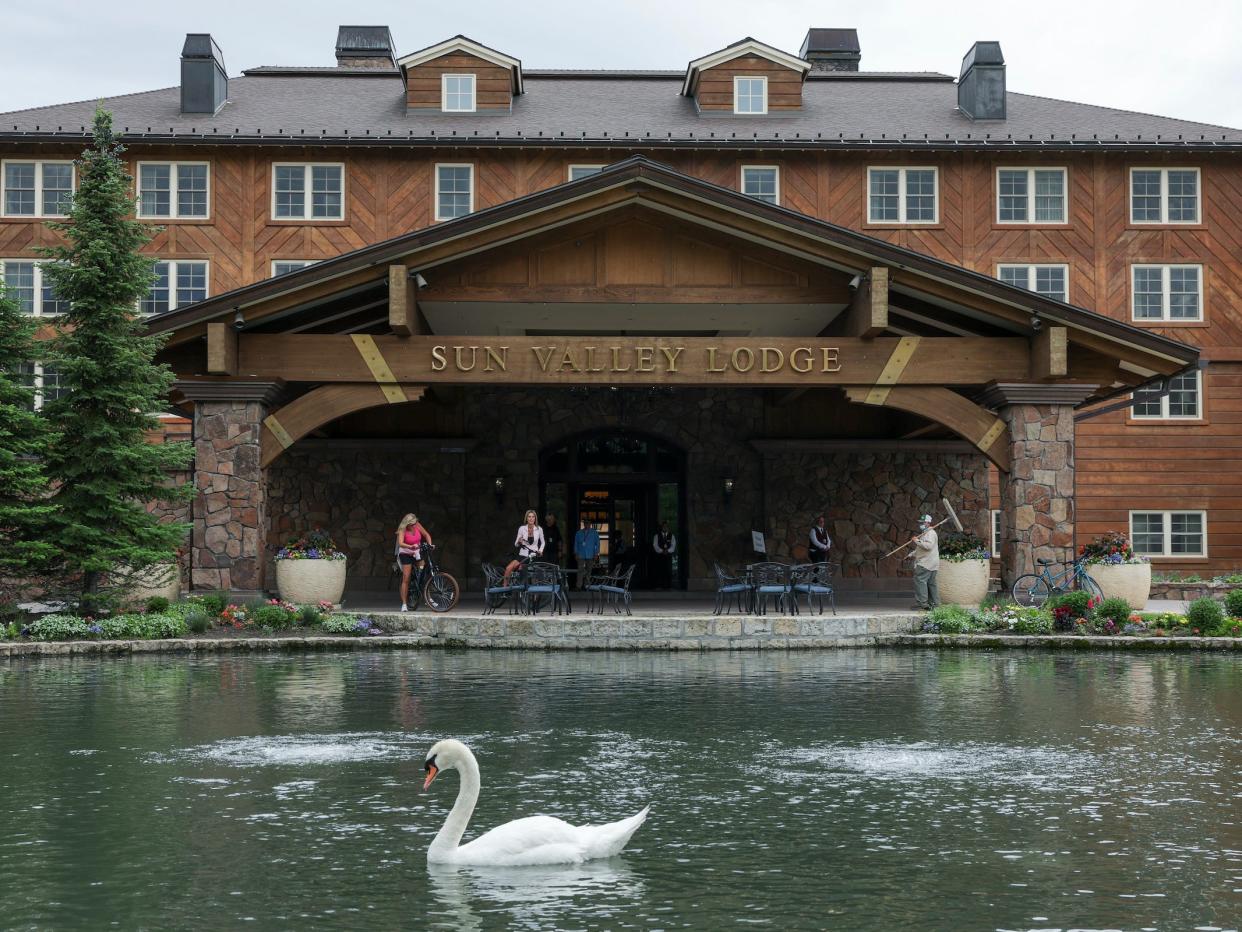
(863, 789)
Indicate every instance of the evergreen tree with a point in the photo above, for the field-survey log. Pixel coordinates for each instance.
(25, 547)
(103, 465)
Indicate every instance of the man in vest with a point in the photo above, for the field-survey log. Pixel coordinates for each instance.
(926, 565)
(663, 545)
(586, 551)
(817, 551)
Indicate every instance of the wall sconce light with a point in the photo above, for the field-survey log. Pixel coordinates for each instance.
(728, 489)
(498, 486)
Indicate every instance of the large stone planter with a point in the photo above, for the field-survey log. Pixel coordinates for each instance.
(964, 583)
(304, 582)
(160, 580)
(1129, 581)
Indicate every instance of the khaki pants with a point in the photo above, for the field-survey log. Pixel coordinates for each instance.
(926, 589)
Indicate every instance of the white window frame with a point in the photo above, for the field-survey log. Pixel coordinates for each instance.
(474, 94)
(436, 186)
(40, 373)
(38, 163)
(1031, 272)
(307, 182)
(1167, 532)
(172, 284)
(901, 195)
(174, 190)
(1030, 220)
(1166, 300)
(303, 264)
(737, 79)
(1164, 196)
(569, 172)
(773, 168)
(995, 524)
(1164, 414)
(38, 264)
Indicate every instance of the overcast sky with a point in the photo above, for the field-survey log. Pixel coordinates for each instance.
(1179, 60)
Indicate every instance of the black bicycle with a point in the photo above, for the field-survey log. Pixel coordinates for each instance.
(439, 589)
(1034, 589)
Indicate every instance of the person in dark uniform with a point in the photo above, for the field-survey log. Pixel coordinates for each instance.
(552, 540)
(817, 550)
(663, 546)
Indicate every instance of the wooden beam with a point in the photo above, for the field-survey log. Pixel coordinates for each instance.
(221, 349)
(867, 314)
(1050, 353)
(402, 310)
(968, 420)
(756, 362)
(283, 428)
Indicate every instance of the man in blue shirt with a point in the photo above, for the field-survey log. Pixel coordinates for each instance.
(586, 551)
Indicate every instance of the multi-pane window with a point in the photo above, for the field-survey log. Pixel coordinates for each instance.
(1051, 281)
(177, 283)
(285, 266)
(457, 93)
(43, 379)
(308, 192)
(1169, 533)
(1181, 402)
(172, 189)
(1164, 195)
(454, 191)
(1030, 195)
(762, 181)
(583, 171)
(1167, 292)
(26, 283)
(996, 532)
(750, 95)
(901, 195)
(36, 189)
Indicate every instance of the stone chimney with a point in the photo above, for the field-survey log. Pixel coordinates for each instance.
(365, 47)
(204, 82)
(831, 49)
(981, 86)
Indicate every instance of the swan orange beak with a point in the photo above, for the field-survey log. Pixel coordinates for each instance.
(432, 770)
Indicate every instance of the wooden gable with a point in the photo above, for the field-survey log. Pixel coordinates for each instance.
(715, 85)
(493, 84)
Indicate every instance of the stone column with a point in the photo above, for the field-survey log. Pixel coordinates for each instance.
(229, 514)
(1037, 495)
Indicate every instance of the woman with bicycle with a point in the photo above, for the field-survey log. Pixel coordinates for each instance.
(411, 538)
(529, 543)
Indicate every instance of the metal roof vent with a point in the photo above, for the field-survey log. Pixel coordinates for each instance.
(981, 87)
(204, 82)
(831, 49)
(365, 47)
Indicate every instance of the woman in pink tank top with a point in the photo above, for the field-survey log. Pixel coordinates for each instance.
(411, 536)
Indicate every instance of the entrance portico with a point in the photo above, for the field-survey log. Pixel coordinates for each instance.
(798, 366)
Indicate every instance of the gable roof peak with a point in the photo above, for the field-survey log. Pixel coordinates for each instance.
(744, 46)
(460, 43)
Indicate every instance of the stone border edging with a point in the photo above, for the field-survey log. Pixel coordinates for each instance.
(1060, 642)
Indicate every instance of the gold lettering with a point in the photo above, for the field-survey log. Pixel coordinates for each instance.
(645, 361)
(474, 353)
(438, 359)
(616, 360)
(501, 359)
(765, 354)
(793, 361)
(590, 360)
(671, 353)
(711, 360)
(832, 362)
(736, 359)
(567, 362)
(544, 355)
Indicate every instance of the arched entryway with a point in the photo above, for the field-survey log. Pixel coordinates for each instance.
(628, 483)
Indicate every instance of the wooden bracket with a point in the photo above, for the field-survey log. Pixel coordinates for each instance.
(221, 349)
(402, 305)
(867, 313)
(1050, 353)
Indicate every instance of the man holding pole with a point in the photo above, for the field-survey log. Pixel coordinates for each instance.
(926, 565)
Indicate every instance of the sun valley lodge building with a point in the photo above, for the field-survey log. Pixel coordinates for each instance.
(730, 296)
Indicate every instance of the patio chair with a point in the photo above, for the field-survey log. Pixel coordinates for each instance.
(496, 592)
(728, 588)
(814, 580)
(545, 580)
(771, 581)
(616, 592)
(598, 578)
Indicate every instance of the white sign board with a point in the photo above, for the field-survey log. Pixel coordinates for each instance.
(756, 538)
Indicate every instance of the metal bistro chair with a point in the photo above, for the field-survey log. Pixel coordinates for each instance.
(616, 592)
(731, 586)
(545, 580)
(496, 593)
(771, 581)
(598, 578)
(814, 580)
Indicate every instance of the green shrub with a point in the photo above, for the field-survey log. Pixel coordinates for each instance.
(1116, 610)
(996, 600)
(198, 621)
(1032, 621)
(949, 619)
(59, 628)
(271, 617)
(1205, 615)
(308, 616)
(142, 627)
(11, 630)
(157, 605)
(1191, 577)
(1232, 579)
(344, 624)
(213, 603)
(1233, 602)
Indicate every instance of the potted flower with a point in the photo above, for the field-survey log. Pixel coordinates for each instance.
(1112, 563)
(311, 569)
(964, 569)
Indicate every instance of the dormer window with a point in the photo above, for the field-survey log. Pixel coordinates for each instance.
(750, 95)
(457, 93)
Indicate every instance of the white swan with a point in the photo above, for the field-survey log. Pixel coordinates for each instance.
(534, 840)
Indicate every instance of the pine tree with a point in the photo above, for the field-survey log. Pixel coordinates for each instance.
(25, 547)
(103, 465)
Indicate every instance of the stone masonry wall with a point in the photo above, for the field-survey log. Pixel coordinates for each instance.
(1037, 497)
(230, 518)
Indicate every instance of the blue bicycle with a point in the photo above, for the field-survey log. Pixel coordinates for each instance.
(1034, 589)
